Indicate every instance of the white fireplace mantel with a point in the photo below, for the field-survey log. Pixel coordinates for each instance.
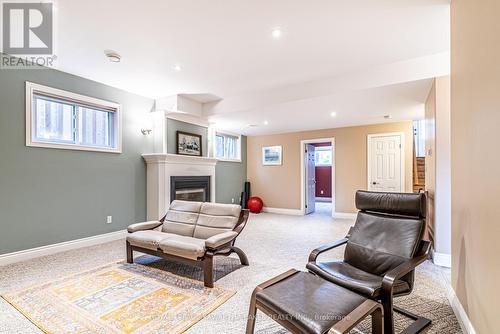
(165, 158)
(160, 167)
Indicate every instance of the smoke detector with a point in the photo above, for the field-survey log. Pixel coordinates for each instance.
(113, 56)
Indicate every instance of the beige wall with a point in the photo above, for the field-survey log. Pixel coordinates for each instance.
(438, 163)
(475, 121)
(279, 186)
(430, 148)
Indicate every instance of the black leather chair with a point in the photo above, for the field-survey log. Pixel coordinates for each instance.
(382, 250)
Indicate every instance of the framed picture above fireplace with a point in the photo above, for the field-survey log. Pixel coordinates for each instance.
(189, 144)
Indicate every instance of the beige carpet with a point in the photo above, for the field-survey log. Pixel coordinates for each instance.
(273, 243)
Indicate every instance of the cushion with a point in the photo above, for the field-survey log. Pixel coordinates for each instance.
(186, 206)
(187, 247)
(218, 209)
(354, 279)
(220, 239)
(402, 204)
(149, 239)
(181, 218)
(379, 243)
(215, 218)
(310, 303)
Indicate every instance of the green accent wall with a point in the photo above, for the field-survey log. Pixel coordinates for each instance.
(49, 196)
(229, 176)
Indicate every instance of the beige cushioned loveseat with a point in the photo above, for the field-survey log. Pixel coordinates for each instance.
(191, 232)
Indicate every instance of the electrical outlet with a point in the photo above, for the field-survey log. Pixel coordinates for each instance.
(109, 219)
(232, 200)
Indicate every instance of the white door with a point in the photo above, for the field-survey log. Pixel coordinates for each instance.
(310, 179)
(384, 163)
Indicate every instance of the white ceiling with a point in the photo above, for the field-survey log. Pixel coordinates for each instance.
(360, 107)
(225, 49)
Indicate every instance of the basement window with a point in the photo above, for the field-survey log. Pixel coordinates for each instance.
(227, 147)
(323, 156)
(59, 119)
(419, 138)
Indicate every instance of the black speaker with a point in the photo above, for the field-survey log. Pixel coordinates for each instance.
(243, 200)
(247, 189)
(245, 195)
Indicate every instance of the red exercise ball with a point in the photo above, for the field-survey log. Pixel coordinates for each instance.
(255, 204)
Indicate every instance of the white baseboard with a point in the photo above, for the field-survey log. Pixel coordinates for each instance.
(293, 212)
(459, 311)
(344, 215)
(441, 259)
(60, 247)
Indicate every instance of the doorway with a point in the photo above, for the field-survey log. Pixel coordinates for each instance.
(318, 176)
(386, 170)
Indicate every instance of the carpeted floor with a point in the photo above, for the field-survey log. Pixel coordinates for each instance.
(323, 209)
(273, 243)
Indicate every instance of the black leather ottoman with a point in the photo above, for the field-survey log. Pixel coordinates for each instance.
(304, 303)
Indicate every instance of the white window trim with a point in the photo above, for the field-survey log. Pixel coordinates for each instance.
(215, 133)
(31, 88)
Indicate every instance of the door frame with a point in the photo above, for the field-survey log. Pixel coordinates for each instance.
(303, 171)
(402, 157)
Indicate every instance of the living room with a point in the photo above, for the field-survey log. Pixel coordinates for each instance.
(160, 169)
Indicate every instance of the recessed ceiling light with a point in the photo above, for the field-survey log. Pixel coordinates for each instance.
(333, 114)
(177, 68)
(276, 33)
(266, 122)
(113, 56)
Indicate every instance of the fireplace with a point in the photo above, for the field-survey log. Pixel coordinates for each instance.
(167, 173)
(190, 188)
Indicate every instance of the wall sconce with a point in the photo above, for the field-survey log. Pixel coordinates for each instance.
(146, 131)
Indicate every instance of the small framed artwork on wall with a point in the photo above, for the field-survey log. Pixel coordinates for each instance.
(189, 144)
(271, 155)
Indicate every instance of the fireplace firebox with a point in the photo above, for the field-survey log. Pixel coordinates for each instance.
(190, 188)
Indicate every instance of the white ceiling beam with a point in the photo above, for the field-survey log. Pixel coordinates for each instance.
(179, 104)
(399, 72)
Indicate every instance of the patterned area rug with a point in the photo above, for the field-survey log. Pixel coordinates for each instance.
(118, 298)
